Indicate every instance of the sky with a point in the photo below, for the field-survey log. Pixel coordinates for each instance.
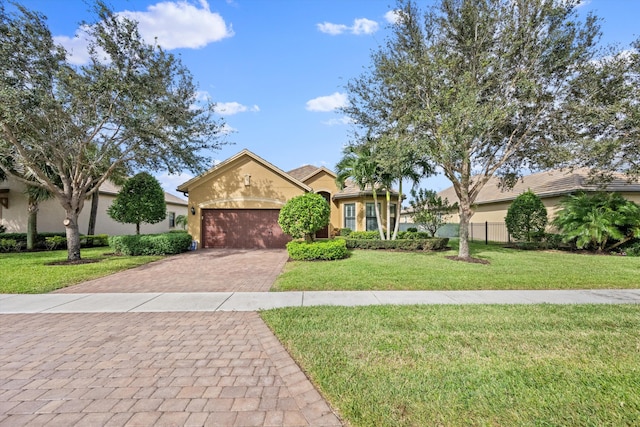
(278, 68)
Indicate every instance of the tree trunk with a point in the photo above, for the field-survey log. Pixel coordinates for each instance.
(93, 214)
(32, 224)
(377, 211)
(73, 236)
(137, 228)
(388, 194)
(398, 211)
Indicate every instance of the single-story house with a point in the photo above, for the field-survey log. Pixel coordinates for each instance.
(13, 212)
(237, 202)
(493, 202)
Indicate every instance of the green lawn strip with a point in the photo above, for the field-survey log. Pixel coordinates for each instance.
(27, 272)
(470, 365)
(508, 269)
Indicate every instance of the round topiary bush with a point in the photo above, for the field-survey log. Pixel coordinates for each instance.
(527, 217)
(304, 215)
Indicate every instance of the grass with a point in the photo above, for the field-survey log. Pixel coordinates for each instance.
(508, 269)
(27, 272)
(539, 365)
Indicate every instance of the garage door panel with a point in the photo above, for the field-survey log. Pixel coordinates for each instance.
(242, 228)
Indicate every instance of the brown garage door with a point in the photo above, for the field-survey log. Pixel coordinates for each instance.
(242, 228)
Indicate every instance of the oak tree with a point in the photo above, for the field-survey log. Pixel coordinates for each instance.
(132, 106)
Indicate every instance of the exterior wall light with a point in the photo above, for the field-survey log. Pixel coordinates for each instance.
(193, 210)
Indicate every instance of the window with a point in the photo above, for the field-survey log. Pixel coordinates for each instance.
(172, 219)
(372, 223)
(350, 216)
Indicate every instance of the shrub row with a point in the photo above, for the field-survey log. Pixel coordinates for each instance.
(322, 250)
(151, 244)
(434, 244)
(16, 242)
(375, 235)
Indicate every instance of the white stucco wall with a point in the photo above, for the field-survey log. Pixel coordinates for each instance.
(51, 215)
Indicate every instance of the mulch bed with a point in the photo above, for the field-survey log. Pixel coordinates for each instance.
(74, 262)
(469, 259)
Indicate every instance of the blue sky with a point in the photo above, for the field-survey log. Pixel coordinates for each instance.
(277, 68)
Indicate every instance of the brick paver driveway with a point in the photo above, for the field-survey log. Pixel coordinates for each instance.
(207, 270)
(158, 369)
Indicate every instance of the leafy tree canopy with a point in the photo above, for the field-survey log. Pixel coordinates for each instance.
(303, 215)
(141, 199)
(133, 106)
(480, 86)
(526, 217)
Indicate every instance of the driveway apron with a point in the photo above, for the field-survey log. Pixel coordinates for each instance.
(160, 369)
(207, 270)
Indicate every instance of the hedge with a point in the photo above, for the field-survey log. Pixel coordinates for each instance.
(150, 244)
(434, 244)
(322, 250)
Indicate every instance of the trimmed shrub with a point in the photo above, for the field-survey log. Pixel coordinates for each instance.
(526, 218)
(434, 244)
(150, 244)
(412, 229)
(364, 235)
(21, 239)
(414, 235)
(322, 250)
(55, 242)
(95, 240)
(344, 232)
(10, 245)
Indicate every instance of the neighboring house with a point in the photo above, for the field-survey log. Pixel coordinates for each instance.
(13, 212)
(237, 202)
(492, 203)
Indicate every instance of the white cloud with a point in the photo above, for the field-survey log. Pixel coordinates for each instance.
(171, 24)
(364, 26)
(76, 46)
(333, 29)
(178, 24)
(360, 26)
(231, 108)
(392, 16)
(344, 120)
(327, 103)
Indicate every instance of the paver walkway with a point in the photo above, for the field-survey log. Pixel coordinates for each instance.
(144, 369)
(105, 366)
(207, 270)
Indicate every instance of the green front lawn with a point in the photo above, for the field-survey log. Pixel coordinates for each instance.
(27, 272)
(541, 365)
(508, 269)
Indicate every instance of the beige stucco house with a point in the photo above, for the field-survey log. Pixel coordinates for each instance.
(237, 202)
(13, 212)
(493, 202)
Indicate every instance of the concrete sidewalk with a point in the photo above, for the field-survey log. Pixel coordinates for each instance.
(253, 301)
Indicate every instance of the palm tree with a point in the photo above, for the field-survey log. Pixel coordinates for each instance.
(358, 164)
(400, 160)
(593, 220)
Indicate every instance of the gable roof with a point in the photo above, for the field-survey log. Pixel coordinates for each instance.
(546, 184)
(184, 188)
(112, 189)
(303, 171)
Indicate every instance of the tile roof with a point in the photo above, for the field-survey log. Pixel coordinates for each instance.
(302, 172)
(109, 187)
(546, 184)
